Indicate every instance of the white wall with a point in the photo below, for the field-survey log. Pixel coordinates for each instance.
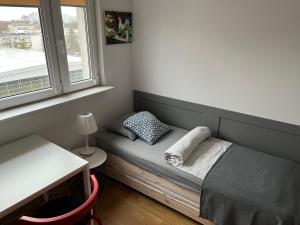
(58, 123)
(238, 55)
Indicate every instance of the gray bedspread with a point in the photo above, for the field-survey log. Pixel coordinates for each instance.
(248, 187)
(150, 157)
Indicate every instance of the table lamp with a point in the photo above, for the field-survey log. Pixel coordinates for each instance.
(86, 125)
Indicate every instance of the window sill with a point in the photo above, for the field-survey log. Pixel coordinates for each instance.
(37, 106)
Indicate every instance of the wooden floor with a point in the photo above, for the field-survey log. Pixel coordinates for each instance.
(121, 205)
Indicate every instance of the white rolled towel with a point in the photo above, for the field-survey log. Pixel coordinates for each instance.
(178, 153)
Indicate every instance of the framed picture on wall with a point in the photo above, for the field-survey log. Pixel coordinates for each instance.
(118, 27)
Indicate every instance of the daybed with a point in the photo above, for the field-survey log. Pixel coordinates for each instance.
(143, 168)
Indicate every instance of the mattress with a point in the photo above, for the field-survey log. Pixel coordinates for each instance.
(149, 157)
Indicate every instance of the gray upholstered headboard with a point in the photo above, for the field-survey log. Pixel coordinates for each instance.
(265, 135)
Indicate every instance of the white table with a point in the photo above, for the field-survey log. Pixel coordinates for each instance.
(95, 160)
(32, 166)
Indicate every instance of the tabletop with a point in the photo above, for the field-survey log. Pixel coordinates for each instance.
(95, 160)
(30, 167)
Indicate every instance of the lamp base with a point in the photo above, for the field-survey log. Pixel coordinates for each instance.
(87, 151)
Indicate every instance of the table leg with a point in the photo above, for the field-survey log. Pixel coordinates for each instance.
(87, 185)
(86, 181)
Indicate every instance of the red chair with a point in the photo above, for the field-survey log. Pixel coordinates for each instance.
(73, 217)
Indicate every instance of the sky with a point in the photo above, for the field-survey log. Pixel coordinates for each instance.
(12, 13)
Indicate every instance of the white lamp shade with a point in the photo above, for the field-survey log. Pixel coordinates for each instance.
(86, 124)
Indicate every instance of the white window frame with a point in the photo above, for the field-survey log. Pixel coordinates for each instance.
(62, 52)
(55, 51)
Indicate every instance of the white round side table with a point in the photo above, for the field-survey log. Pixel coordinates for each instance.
(95, 160)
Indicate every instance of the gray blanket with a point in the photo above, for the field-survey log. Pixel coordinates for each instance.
(247, 187)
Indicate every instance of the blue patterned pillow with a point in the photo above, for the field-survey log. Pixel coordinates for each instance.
(146, 126)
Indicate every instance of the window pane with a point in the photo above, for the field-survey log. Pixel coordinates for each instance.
(23, 64)
(76, 42)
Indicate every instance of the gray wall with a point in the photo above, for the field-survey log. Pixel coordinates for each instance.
(272, 137)
(58, 123)
(242, 55)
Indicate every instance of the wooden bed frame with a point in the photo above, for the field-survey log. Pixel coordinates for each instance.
(174, 196)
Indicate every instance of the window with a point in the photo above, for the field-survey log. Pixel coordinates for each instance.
(47, 48)
(76, 43)
(23, 64)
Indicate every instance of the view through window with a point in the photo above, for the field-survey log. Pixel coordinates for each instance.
(76, 42)
(23, 63)
(47, 48)
(23, 66)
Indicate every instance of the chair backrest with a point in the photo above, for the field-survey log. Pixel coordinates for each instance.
(69, 218)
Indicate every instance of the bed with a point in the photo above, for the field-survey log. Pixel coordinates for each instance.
(142, 167)
(150, 157)
(130, 162)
